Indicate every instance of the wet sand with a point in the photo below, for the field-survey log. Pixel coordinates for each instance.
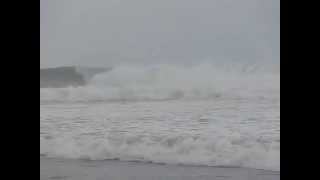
(53, 169)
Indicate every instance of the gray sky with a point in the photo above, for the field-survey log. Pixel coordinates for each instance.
(112, 32)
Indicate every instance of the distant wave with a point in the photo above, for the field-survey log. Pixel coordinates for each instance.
(67, 76)
(165, 82)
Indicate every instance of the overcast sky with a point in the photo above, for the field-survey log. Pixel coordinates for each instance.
(112, 32)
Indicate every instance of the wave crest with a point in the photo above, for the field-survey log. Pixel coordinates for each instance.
(165, 82)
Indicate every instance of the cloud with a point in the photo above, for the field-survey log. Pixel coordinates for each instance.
(111, 32)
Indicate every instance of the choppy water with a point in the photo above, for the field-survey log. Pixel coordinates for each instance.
(224, 130)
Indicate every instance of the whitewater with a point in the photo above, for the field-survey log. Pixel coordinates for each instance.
(211, 115)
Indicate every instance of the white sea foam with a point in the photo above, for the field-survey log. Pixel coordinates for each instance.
(232, 150)
(164, 82)
(216, 116)
(215, 133)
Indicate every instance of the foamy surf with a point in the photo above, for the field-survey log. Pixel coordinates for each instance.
(206, 115)
(166, 82)
(218, 151)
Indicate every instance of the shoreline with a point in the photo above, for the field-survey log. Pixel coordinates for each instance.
(73, 169)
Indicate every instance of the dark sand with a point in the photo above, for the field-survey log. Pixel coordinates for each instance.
(54, 169)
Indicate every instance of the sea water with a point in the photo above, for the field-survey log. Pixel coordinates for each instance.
(199, 115)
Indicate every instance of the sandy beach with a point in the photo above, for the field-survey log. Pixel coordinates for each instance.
(51, 169)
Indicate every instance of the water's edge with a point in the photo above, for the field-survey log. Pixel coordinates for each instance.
(52, 168)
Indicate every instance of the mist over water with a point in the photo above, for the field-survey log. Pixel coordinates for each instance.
(190, 82)
(165, 82)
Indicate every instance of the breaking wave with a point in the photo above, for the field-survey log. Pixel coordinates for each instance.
(164, 82)
(218, 150)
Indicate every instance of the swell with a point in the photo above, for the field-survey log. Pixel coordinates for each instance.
(69, 76)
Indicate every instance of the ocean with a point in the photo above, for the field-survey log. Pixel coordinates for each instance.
(205, 115)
